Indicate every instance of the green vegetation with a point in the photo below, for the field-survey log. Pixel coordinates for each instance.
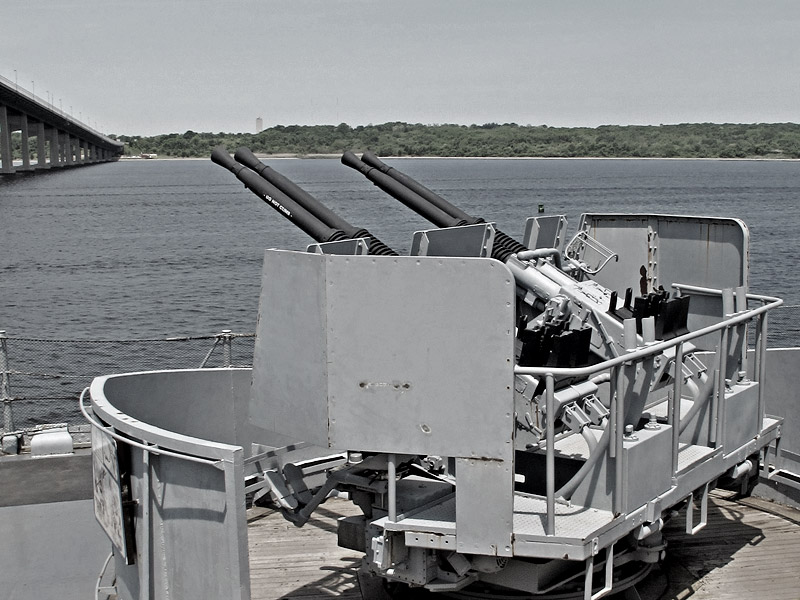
(703, 140)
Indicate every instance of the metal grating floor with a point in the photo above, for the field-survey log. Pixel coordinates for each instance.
(572, 522)
(689, 455)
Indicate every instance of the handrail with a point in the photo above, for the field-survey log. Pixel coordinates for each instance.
(616, 366)
(102, 574)
(657, 346)
(154, 449)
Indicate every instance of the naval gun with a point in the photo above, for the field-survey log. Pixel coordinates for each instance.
(587, 428)
(400, 377)
(592, 407)
(542, 274)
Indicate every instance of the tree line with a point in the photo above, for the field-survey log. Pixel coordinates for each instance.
(701, 140)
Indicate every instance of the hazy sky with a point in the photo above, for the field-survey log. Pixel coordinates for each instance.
(159, 66)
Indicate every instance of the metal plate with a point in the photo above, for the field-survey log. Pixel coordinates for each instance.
(107, 489)
(289, 391)
(660, 250)
(469, 240)
(706, 251)
(420, 354)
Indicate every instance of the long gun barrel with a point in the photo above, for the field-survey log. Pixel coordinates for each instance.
(394, 188)
(294, 203)
(415, 186)
(423, 201)
(246, 157)
(270, 194)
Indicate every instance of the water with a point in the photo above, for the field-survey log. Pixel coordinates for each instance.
(154, 248)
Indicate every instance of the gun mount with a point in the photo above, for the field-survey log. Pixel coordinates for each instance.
(564, 319)
(506, 426)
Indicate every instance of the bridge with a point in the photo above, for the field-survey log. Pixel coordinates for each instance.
(48, 138)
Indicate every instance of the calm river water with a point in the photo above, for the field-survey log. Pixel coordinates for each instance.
(174, 247)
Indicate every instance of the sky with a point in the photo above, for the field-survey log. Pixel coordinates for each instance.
(147, 67)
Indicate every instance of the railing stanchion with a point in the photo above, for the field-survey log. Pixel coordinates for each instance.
(675, 408)
(227, 339)
(550, 460)
(618, 433)
(761, 362)
(5, 386)
(146, 542)
(391, 476)
(612, 411)
(719, 424)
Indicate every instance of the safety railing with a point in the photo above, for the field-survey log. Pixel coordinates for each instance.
(41, 379)
(621, 395)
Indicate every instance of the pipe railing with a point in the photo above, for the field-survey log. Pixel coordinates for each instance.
(619, 394)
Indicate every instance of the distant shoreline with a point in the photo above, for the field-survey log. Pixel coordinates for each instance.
(778, 141)
(285, 156)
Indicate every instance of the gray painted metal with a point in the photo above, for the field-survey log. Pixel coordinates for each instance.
(291, 397)
(646, 472)
(484, 505)
(467, 241)
(353, 247)
(50, 550)
(783, 398)
(662, 250)
(707, 251)
(370, 355)
(180, 534)
(545, 232)
(396, 371)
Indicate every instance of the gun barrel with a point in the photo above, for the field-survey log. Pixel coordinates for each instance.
(416, 187)
(270, 194)
(246, 157)
(402, 193)
(425, 202)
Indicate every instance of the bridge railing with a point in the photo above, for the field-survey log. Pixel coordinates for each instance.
(22, 91)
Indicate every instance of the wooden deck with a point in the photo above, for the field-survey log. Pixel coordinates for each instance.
(305, 562)
(750, 549)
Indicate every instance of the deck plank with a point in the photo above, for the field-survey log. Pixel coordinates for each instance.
(301, 562)
(749, 549)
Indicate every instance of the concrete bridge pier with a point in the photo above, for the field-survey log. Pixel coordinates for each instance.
(5, 142)
(55, 152)
(21, 123)
(41, 146)
(69, 149)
